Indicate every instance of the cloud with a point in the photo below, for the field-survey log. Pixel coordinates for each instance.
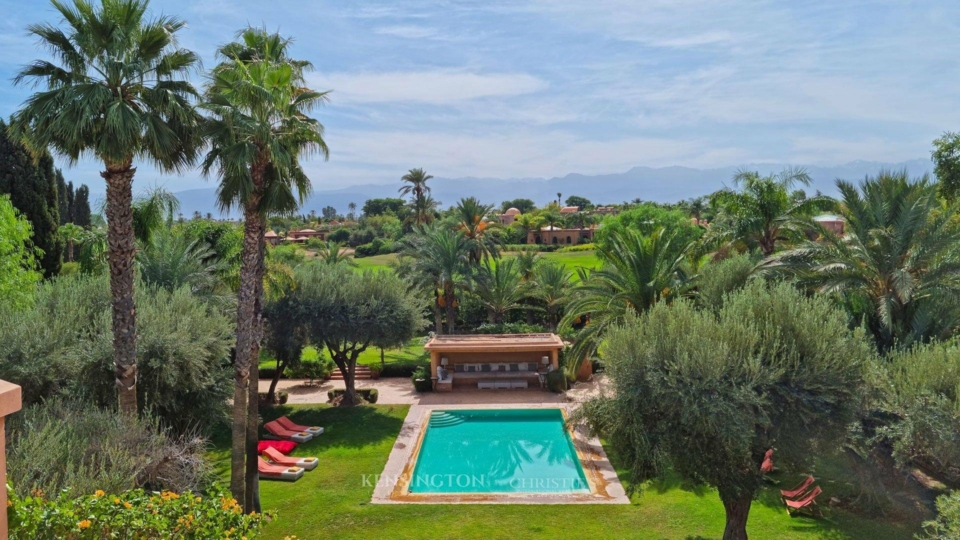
(408, 32)
(432, 87)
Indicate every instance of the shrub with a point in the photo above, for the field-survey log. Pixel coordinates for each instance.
(545, 248)
(62, 346)
(509, 328)
(720, 278)
(421, 380)
(926, 399)
(319, 370)
(74, 446)
(401, 369)
(369, 250)
(578, 247)
(370, 395)
(130, 514)
(279, 399)
(339, 236)
(947, 524)
(557, 381)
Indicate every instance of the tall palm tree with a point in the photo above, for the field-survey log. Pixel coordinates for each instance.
(258, 131)
(471, 220)
(441, 256)
(118, 91)
(637, 272)
(418, 188)
(501, 288)
(553, 283)
(153, 212)
(762, 214)
(897, 265)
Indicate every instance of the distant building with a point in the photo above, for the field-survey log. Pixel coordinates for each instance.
(507, 218)
(832, 223)
(606, 210)
(301, 236)
(272, 238)
(556, 235)
(567, 210)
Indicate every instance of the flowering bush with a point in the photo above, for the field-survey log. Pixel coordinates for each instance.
(132, 514)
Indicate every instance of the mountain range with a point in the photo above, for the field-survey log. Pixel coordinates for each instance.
(664, 184)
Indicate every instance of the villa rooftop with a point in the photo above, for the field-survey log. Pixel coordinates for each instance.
(494, 343)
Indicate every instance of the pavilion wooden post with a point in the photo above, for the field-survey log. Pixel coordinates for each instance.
(9, 404)
(434, 362)
(555, 358)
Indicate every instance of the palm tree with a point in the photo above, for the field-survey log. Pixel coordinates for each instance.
(441, 256)
(153, 212)
(172, 260)
(333, 253)
(501, 288)
(763, 213)
(897, 266)
(553, 282)
(258, 131)
(471, 220)
(417, 186)
(117, 91)
(72, 234)
(352, 207)
(637, 272)
(528, 222)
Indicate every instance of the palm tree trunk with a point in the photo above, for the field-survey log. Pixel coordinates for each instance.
(69, 250)
(449, 298)
(122, 248)
(246, 305)
(437, 318)
(252, 503)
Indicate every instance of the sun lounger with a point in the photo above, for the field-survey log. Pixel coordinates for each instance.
(797, 491)
(288, 424)
(278, 472)
(808, 502)
(284, 447)
(275, 457)
(277, 431)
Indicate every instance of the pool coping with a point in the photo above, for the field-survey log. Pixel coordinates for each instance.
(605, 486)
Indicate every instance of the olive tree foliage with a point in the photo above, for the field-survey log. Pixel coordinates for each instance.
(347, 312)
(18, 257)
(706, 394)
(924, 397)
(719, 278)
(62, 346)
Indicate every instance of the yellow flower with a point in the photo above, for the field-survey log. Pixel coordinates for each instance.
(127, 505)
(197, 498)
(84, 524)
(116, 500)
(99, 493)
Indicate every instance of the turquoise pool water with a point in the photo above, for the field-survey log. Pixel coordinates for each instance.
(497, 451)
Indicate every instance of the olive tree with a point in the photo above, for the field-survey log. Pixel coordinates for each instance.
(705, 394)
(347, 312)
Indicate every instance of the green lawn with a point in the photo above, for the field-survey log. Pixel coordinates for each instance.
(333, 502)
(412, 352)
(571, 260)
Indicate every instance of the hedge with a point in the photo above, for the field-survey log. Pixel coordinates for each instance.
(370, 395)
(404, 368)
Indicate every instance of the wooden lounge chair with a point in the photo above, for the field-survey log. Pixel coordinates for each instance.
(807, 502)
(275, 457)
(797, 491)
(277, 431)
(288, 424)
(278, 472)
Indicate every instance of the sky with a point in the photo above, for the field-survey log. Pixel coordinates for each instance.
(536, 88)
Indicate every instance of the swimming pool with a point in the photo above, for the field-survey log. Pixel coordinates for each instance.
(497, 451)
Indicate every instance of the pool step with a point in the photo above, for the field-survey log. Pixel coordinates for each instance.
(445, 419)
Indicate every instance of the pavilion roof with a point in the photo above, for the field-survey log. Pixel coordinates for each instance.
(494, 343)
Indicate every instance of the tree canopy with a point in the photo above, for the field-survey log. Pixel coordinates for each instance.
(18, 260)
(946, 161)
(706, 394)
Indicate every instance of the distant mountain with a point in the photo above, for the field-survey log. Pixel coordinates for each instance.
(665, 184)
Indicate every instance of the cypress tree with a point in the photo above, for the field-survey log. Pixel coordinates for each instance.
(32, 186)
(80, 210)
(62, 203)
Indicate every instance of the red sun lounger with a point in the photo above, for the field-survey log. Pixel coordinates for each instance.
(277, 472)
(287, 423)
(277, 431)
(275, 457)
(808, 502)
(799, 490)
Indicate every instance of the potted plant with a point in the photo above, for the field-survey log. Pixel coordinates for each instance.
(375, 371)
(421, 380)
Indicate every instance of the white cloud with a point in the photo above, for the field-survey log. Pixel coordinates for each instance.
(407, 32)
(432, 87)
